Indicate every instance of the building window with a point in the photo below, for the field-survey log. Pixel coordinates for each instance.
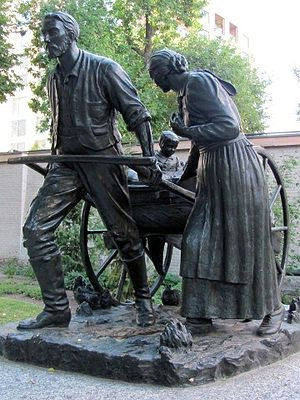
(219, 25)
(19, 104)
(18, 128)
(233, 31)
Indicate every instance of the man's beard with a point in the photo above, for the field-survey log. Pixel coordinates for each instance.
(55, 51)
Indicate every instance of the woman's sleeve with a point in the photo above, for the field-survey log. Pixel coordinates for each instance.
(206, 98)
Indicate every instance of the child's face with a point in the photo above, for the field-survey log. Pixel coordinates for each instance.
(168, 147)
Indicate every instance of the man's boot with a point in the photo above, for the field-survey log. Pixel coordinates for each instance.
(138, 275)
(50, 277)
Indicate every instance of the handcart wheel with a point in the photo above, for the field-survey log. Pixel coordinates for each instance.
(280, 233)
(103, 266)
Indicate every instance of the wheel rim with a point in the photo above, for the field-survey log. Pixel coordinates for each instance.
(158, 280)
(280, 224)
(94, 273)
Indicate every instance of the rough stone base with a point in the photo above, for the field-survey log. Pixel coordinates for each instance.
(110, 345)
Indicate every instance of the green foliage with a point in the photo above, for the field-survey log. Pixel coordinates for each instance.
(110, 279)
(128, 31)
(145, 24)
(36, 146)
(70, 279)
(174, 281)
(26, 289)
(287, 170)
(9, 80)
(90, 16)
(12, 267)
(67, 238)
(14, 310)
(225, 60)
(287, 298)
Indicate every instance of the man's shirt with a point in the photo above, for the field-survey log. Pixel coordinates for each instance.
(87, 99)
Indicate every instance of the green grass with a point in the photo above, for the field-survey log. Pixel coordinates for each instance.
(287, 298)
(13, 268)
(26, 289)
(12, 310)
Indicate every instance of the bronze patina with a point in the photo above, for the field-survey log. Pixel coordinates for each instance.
(227, 261)
(85, 92)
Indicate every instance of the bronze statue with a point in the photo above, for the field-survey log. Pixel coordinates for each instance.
(227, 264)
(170, 165)
(85, 92)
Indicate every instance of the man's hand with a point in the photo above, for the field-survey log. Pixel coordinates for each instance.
(155, 175)
(149, 175)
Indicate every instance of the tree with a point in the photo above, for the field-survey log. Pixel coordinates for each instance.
(92, 16)
(128, 31)
(148, 23)
(125, 31)
(224, 60)
(141, 26)
(9, 80)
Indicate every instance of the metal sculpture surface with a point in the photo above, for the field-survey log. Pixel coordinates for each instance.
(227, 263)
(170, 165)
(85, 93)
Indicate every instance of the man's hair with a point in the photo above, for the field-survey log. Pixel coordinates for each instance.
(175, 62)
(70, 24)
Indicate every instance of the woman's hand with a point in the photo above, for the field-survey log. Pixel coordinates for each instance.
(177, 124)
(179, 127)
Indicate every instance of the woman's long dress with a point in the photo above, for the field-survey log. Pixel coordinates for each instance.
(227, 264)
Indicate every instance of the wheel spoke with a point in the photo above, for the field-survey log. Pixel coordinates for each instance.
(147, 252)
(121, 284)
(279, 228)
(274, 196)
(106, 262)
(95, 231)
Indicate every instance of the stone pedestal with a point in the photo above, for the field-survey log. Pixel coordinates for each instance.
(110, 345)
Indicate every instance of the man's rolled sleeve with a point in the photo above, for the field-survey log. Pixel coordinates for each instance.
(124, 97)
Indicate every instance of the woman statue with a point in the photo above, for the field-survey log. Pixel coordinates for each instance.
(227, 265)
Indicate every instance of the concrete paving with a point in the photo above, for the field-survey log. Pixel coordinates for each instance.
(278, 381)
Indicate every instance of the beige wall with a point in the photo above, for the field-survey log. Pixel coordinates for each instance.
(19, 185)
